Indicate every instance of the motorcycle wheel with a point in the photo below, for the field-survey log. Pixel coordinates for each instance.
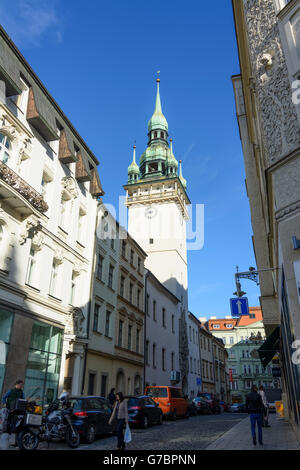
(72, 439)
(26, 440)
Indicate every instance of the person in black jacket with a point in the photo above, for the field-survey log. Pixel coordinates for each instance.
(255, 406)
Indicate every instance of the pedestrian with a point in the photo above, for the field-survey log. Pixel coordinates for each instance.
(14, 394)
(265, 417)
(255, 406)
(111, 396)
(120, 412)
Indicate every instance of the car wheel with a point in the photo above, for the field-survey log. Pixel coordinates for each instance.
(145, 423)
(160, 420)
(90, 434)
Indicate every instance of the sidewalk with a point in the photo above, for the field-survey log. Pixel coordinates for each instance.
(280, 436)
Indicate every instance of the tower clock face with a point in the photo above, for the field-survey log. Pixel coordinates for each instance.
(150, 212)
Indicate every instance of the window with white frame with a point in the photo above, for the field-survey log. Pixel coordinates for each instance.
(216, 327)
(64, 206)
(5, 148)
(31, 267)
(107, 323)
(54, 279)
(81, 225)
(73, 289)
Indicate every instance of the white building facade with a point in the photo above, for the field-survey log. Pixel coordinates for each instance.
(48, 189)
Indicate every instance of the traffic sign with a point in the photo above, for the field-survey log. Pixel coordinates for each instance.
(239, 306)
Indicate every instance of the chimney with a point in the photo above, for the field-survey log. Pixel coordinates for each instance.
(228, 317)
(202, 319)
(213, 318)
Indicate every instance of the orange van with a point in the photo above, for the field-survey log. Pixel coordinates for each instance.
(169, 399)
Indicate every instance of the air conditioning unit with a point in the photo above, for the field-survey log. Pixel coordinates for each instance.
(175, 376)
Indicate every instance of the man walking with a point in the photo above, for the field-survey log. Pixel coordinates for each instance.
(255, 408)
(13, 394)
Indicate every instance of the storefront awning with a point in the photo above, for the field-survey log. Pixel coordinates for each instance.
(270, 347)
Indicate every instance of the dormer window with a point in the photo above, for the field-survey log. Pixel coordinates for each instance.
(5, 148)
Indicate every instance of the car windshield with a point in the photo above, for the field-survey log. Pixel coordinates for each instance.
(157, 392)
(133, 401)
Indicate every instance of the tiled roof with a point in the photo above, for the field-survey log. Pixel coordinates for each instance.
(242, 321)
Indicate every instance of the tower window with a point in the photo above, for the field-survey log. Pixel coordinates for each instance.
(151, 241)
(162, 135)
(155, 135)
(152, 167)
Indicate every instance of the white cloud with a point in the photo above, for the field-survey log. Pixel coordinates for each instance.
(29, 22)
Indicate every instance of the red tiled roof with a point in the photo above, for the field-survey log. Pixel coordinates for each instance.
(246, 320)
(242, 321)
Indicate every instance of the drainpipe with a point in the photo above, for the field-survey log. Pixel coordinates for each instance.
(145, 330)
(90, 301)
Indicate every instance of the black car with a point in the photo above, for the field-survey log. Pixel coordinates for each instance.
(143, 411)
(92, 414)
(202, 405)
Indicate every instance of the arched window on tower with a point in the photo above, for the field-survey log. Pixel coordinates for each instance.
(155, 135)
(162, 135)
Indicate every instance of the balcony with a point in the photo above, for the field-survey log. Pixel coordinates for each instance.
(18, 194)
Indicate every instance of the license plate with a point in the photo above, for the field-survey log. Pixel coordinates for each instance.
(33, 420)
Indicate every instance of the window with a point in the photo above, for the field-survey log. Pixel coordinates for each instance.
(191, 365)
(104, 390)
(252, 315)
(163, 359)
(137, 343)
(151, 241)
(1, 233)
(138, 297)
(164, 317)
(73, 289)
(6, 320)
(224, 339)
(172, 361)
(63, 212)
(229, 325)
(162, 135)
(91, 384)
(120, 337)
(154, 310)
(173, 326)
(139, 265)
(147, 306)
(31, 268)
(96, 317)
(5, 148)
(107, 323)
(215, 326)
(123, 249)
(231, 340)
(129, 337)
(100, 267)
(193, 336)
(130, 292)
(53, 279)
(131, 256)
(208, 343)
(147, 352)
(122, 284)
(81, 225)
(110, 276)
(195, 367)
(154, 355)
(112, 241)
(190, 333)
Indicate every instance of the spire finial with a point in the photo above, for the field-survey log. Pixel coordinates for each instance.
(157, 102)
(134, 147)
(171, 145)
(158, 79)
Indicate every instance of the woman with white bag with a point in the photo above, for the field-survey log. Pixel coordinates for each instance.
(120, 412)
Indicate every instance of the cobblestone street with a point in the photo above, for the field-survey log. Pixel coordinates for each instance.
(195, 433)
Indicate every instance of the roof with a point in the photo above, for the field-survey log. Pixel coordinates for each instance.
(244, 320)
(161, 286)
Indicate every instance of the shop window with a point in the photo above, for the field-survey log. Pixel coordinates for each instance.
(43, 364)
(6, 319)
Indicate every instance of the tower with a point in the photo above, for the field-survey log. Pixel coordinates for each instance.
(157, 201)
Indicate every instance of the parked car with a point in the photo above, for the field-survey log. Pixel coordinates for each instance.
(213, 402)
(202, 405)
(193, 410)
(170, 400)
(224, 405)
(143, 411)
(238, 408)
(92, 414)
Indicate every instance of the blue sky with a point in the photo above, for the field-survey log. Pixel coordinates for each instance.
(99, 60)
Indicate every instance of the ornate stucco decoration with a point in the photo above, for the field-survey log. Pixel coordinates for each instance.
(69, 187)
(30, 228)
(16, 182)
(58, 256)
(75, 323)
(77, 269)
(277, 113)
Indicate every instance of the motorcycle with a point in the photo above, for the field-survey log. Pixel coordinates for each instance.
(57, 423)
(24, 422)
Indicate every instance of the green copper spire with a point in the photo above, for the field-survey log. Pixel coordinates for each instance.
(182, 179)
(158, 120)
(133, 169)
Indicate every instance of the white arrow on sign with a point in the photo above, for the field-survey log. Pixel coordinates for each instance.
(239, 304)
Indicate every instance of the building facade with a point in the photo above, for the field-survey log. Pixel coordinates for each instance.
(195, 379)
(207, 360)
(268, 112)
(157, 201)
(48, 190)
(161, 333)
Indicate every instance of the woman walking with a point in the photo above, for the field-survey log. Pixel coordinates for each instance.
(120, 412)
